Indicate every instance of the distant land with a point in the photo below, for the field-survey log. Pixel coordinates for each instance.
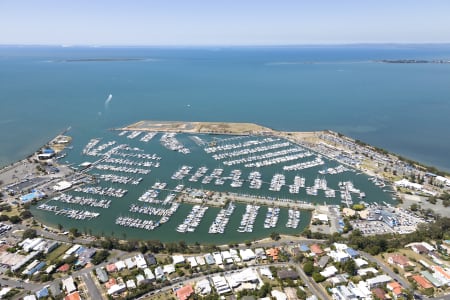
(413, 61)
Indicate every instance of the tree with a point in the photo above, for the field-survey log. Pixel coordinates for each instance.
(74, 232)
(275, 236)
(100, 256)
(26, 214)
(318, 277)
(15, 219)
(29, 234)
(308, 268)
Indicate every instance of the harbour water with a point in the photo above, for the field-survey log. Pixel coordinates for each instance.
(400, 107)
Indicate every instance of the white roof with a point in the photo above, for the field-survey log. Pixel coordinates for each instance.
(247, 254)
(192, 261)
(131, 284)
(200, 260)
(203, 287)
(217, 258)
(226, 254)
(169, 269)
(69, 285)
(120, 265)
(329, 271)
(278, 295)
(140, 261)
(178, 259)
(62, 185)
(148, 273)
(116, 288)
(360, 262)
(29, 297)
(265, 271)
(363, 272)
(130, 263)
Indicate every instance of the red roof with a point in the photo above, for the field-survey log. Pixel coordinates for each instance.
(111, 268)
(379, 293)
(184, 292)
(395, 287)
(273, 252)
(64, 268)
(425, 284)
(400, 260)
(74, 296)
(316, 249)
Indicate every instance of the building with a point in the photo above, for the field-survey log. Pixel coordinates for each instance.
(378, 281)
(316, 250)
(69, 285)
(203, 287)
(399, 260)
(422, 282)
(287, 273)
(395, 288)
(73, 296)
(441, 274)
(101, 275)
(184, 292)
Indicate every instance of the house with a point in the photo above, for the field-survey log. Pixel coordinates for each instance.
(329, 271)
(247, 254)
(111, 268)
(209, 259)
(131, 284)
(399, 260)
(148, 274)
(278, 295)
(287, 273)
(184, 292)
(379, 293)
(419, 248)
(69, 285)
(316, 250)
(178, 259)
(73, 296)
(42, 293)
(422, 282)
(159, 272)
(151, 259)
(323, 261)
(441, 274)
(395, 288)
(64, 268)
(117, 289)
(203, 287)
(377, 281)
(273, 253)
(192, 261)
(140, 261)
(169, 269)
(101, 275)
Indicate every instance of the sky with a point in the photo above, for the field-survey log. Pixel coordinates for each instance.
(226, 22)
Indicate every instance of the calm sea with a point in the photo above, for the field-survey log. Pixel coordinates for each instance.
(404, 108)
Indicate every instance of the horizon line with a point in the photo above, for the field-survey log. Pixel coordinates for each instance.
(224, 45)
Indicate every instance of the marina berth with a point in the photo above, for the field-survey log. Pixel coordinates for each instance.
(271, 217)
(136, 223)
(103, 191)
(248, 218)
(193, 219)
(148, 137)
(68, 212)
(305, 165)
(83, 201)
(169, 141)
(220, 223)
(293, 218)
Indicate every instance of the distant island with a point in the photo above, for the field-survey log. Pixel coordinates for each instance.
(102, 59)
(413, 61)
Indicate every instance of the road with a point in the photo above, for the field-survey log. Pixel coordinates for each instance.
(386, 269)
(313, 286)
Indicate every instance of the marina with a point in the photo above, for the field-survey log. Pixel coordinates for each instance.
(161, 186)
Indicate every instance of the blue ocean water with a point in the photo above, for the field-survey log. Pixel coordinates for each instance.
(403, 108)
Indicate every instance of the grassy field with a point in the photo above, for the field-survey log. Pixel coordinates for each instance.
(57, 253)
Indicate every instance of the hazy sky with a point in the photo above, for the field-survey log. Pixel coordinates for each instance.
(226, 22)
